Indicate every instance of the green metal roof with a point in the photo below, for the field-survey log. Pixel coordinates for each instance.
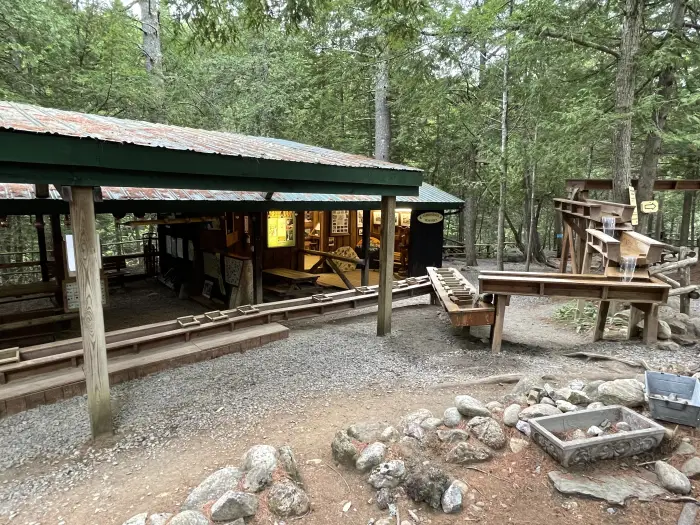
(50, 146)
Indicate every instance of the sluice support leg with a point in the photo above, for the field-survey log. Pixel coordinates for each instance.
(600, 320)
(497, 328)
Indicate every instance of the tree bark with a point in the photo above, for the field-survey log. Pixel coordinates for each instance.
(659, 225)
(504, 159)
(469, 212)
(685, 218)
(665, 88)
(150, 27)
(531, 225)
(382, 115)
(624, 99)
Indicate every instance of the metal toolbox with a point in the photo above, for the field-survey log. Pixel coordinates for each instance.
(673, 398)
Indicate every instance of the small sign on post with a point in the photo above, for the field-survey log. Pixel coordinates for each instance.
(649, 206)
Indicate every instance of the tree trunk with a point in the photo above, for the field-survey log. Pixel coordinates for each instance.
(692, 221)
(659, 226)
(624, 99)
(685, 218)
(531, 226)
(665, 88)
(150, 27)
(382, 115)
(504, 160)
(469, 212)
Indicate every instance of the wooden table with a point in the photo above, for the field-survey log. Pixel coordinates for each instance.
(291, 283)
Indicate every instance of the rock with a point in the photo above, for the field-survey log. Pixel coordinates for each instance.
(390, 435)
(664, 331)
(488, 431)
(577, 385)
(233, 505)
(595, 431)
(415, 431)
(431, 423)
(510, 415)
(212, 488)
(578, 434)
(565, 406)
(139, 519)
(517, 445)
(538, 411)
(676, 326)
(547, 401)
(623, 427)
(451, 418)
(625, 392)
(388, 475)
(370, 457)
(612, 489)
(415, 417)
(427, 484)
(289, 464)
(465, 453)
(533, 397)
(510, 399)
(672, 479)
(286, 499)
(344, 451)
(409, 446)
(470, 407)
(384, 498)
(575, 397)
(685, 449)
(591, 389)
(688, 514)
(695, 323)
(452, 499)
(162, 518)
(595, 405)
(454, 435)
(524, 427)
(691, 468)
(259, 462)
(367, 431)
(681, 340)
(189, 517)
(385, 521)
(526, 384)
(494, 405)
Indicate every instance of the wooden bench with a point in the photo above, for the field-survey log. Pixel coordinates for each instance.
(291, 283)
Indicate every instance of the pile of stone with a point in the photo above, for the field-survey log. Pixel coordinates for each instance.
(675, 329)
(233, 495)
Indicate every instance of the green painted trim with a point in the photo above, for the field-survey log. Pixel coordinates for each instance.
(172, 167)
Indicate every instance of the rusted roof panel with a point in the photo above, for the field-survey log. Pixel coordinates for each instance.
(36, 119)
(427, 194)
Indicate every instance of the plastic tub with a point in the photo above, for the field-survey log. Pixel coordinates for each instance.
(673, 398)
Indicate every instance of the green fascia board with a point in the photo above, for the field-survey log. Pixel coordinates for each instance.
(189, 169)
(62, 175)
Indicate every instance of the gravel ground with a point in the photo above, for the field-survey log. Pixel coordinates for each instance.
(48, 447)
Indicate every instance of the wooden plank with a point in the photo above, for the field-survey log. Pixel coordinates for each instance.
(564, 249)
(333, 256)
(386, 265)
(573, 254)
(294, 276)
(624, 211)
(256, 220)
(601, 319)
(37, 321)
(651, 325)
(87, 256)
(497, 327)
(340, 273)
(19, 290)
(606, 245)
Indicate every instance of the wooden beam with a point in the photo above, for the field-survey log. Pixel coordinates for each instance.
(651, 324)
(366, 235)
(178, 220)
(330, 255)
(601, 320)
(564, 248)
(386, 265)
(256, 220)
(41, 239)
(340, 273)
(497, 327)
(92, 328)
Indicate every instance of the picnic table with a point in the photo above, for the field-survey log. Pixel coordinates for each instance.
(291, 283)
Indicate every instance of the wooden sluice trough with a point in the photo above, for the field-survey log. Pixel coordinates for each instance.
(49, 372)
(459, 298)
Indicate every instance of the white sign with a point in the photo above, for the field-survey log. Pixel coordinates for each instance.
(430, 217)
(649, 206)
(633, 202)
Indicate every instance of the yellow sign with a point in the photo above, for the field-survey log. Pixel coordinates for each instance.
(649, 206)
(633, 202)
(281, 229)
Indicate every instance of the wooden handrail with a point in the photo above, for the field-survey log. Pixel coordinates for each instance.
(361, 262)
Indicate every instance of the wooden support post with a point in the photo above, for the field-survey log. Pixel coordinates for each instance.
(497, 328)
(585, 269)
(572, 252)
(635, 317)
(684, 281)
(58, 264)
(564, 248)
(340, 273)
(366, 235)
(256, 220)
(651, 324)
(600, 321)
(386, 265)
(41, 239)
(92, 328)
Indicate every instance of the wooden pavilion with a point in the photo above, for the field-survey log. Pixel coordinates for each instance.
(80, 153)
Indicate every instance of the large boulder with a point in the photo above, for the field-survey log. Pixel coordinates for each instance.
(388, 475)
(625, 392)
(343, 449)
(370, 457)
(465, 453)
(415, 417)
(591, 389)
(451, 418)
(664, 331)
(233, 505)
(488, 431)
(672, 479)
(189, 517)
(259, 462)
(575, 397)
(212, 488)
(470, 407)
(538, 411)
(527, 383)
(510, 415)
(677, 326)
(427, 484)
(368, 431)
(287, 499)
(452, 499)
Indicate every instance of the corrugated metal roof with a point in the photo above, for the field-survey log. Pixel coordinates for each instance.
(35, 119)
(427, 195)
